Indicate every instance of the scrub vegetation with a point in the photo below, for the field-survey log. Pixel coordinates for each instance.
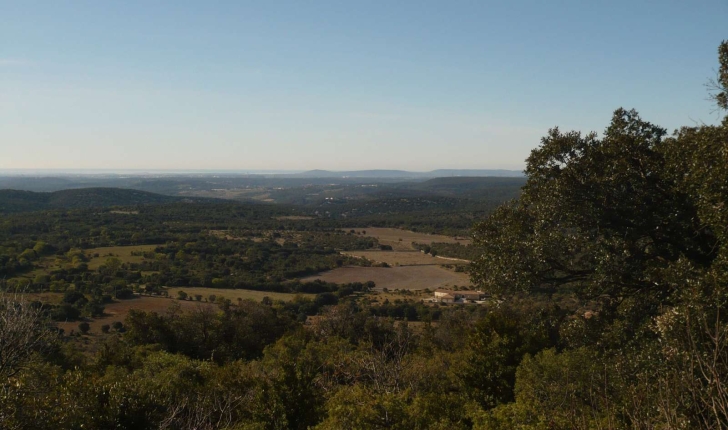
(606, 277)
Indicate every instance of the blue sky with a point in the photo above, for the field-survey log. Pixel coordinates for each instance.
(338, 85)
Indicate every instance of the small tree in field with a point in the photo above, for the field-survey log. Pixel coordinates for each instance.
(181, 295)
(84, 327)
(105, 328)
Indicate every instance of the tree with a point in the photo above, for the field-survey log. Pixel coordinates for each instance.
(105, 328)
(634, 223)
(24, 332)
(73, 297)
(181, 295)
(84, 327)
(600, 217)
(719, 86)
(112, 264)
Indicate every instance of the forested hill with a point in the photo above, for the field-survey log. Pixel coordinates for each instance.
(14, 201)
(501, 188)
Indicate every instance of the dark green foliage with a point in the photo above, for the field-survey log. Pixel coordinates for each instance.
(633, 226)
(13, 201)
(74, 297)
(229, 334)
(65, 312)
(610, 308)
(452, 250)
(124, 293)
(84, 327)
(598, 217)
(720, 85)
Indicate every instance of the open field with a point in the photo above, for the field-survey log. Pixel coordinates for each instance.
(47, 264)
(401, 240)
(234, 295)
(118, 311)
(403, 258)
(403, 277)
(123, 253)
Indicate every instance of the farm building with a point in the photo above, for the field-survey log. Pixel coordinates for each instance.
(448, 296)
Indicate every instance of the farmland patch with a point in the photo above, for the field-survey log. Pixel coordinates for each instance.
(403, 277)
(403, 258)
(401, 240)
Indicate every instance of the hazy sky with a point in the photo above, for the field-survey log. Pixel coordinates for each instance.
(338, 85)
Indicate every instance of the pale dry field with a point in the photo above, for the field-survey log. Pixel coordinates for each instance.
(402, 258)
(234, 295)
(403, 277)
(392, 236)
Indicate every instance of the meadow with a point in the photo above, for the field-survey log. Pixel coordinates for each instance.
(403, 277)
(401, 240)
(404, 258)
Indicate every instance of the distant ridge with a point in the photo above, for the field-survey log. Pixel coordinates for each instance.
(14, 201)
(407, 174)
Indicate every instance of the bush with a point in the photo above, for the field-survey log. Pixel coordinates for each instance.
(65, 312)
(72, 297)
(125, 293)
(84, 327)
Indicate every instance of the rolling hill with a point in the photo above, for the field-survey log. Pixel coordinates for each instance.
(14, 201)
(403, 174)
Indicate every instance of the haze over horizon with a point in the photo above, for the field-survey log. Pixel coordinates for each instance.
(410, 86)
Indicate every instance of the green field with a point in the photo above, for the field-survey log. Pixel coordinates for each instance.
(123, 253)
(234, 295)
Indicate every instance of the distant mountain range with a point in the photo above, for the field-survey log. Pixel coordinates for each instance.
(440, 173)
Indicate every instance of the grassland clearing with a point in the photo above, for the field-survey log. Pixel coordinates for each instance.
(117, 311)
(234, 295)
(403, 258)
(403, 277)
(401, 240)
(123, 253)
(96, 258)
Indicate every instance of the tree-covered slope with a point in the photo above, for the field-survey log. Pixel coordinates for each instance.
(14, 201)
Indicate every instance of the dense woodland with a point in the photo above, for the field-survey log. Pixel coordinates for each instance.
(609, 277)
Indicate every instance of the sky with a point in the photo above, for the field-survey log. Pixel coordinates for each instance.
(339, 85)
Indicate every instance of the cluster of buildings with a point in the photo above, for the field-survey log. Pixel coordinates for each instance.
(449, 296)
